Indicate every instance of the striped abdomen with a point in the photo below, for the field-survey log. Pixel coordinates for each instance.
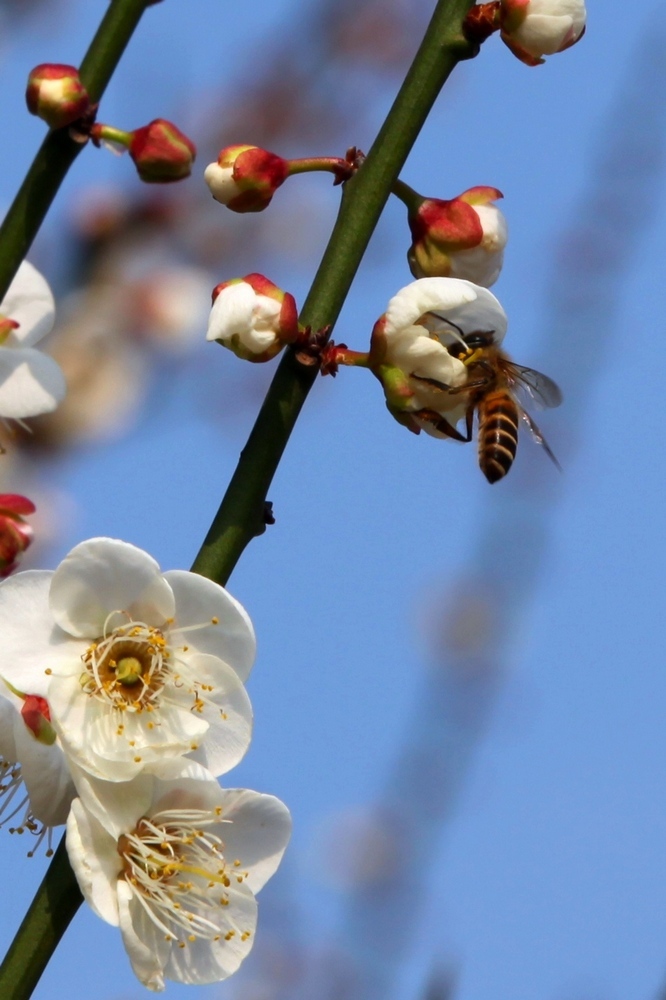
(498, 434)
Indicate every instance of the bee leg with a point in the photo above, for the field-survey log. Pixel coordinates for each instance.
(441, 425)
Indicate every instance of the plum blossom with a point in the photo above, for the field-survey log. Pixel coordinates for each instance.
(252, 317)
(536, 28)
(175, 862)
(30, 382)
(136, 665)
(35, 783)
(414, 348)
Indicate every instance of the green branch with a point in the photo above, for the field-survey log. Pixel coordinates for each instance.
(241, 514)
(58, 151)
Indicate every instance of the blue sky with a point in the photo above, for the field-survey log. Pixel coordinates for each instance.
(545, 877)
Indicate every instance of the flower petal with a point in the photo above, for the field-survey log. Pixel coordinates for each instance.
(145, 943)
(203, 961)
(439, 303)
(31, 643)
(228, 711)
(95, 860)
(103, 575)
(46, 776)
(199, 600)
(258, 833)
(30, 383)
(29, 302)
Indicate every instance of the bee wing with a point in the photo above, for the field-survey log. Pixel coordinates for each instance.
(531, 386)
(537, 436)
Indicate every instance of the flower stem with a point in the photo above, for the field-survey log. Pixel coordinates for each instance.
(407, 195)
(59, 150)
(241, 514)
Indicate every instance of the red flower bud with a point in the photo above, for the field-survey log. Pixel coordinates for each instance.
(245, 178)
(55, 94)
(15, 534)
(161, 152)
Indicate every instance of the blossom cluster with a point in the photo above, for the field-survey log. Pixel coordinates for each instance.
(124, 701)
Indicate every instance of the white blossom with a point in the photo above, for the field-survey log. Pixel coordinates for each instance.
(175, 861)
(136, 665)
(252, 317)
(423, 320)
(30, 382)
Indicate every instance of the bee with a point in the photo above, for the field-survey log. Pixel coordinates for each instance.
(495, 388)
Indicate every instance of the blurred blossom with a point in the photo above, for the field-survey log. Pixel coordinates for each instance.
(169, 306)
(105, 374)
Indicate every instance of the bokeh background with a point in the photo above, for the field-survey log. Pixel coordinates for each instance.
(460, 690)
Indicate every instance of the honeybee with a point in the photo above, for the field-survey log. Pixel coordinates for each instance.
(495, 388)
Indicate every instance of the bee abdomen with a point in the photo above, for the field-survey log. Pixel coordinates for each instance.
(498, 434)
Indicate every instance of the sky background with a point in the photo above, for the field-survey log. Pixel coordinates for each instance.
(488, 808)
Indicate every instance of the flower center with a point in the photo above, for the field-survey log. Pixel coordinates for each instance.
(128, 667)
(178, 869)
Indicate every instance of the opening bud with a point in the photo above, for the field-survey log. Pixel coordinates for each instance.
(460, 238)
(533, 29)
(56, 95)
(253, 317)
(161, 152)
(245, 178)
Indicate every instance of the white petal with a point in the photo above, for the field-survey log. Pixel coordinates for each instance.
(542, 35)
(46, 776)
(30, 383)
(8, 713)
(117, 806)
(199, 600)
(258, 833)
(230, 717)
(201, 961)
(418, 354)
(434, 301)
(30, 303)
(422, 296)
(232, 311)
(31, 642)
(89, 731)
(94, 857)
(103, 575)
(221, 182)
(145, 943)
(477, 265)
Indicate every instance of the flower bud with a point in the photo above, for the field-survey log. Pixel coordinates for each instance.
(15, 534)
(36, 714)
(253, 317)
(245, 178)
(461, 238)
(55, 94)
(161, 152)
(536, 28)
